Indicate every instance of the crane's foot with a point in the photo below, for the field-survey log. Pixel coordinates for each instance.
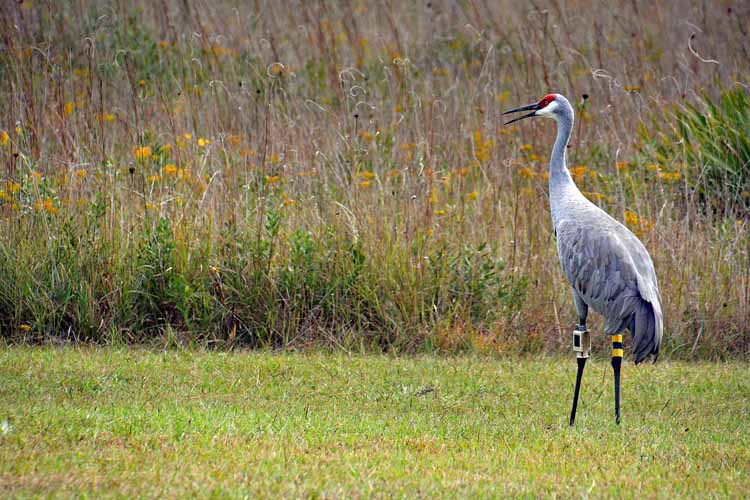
(617, 352)
(582, 348)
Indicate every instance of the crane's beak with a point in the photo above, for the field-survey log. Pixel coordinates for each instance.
(533, 107)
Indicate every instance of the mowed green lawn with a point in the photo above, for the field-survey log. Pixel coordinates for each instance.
(139, 423)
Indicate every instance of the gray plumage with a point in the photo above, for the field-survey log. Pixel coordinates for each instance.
(606, 265)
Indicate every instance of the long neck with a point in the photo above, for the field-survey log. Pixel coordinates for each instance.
(558, 171)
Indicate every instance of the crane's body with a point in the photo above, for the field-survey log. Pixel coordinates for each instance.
(607, 266)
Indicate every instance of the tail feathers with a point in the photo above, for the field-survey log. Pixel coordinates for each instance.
(645, 327)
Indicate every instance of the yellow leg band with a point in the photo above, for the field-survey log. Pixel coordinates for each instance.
(616, 353)
(616, 338)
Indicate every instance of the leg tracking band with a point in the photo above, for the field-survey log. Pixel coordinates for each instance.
(616, 364)
(582, 347)
(582, 342)
(616, 346)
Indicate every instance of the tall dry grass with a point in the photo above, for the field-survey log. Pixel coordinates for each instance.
(294, 173)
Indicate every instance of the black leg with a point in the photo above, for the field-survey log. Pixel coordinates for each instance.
(616, 364)
(579, 375)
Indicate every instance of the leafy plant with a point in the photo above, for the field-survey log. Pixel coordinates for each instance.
(713, 136)
(471, 282)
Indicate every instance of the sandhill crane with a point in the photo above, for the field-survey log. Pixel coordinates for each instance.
(606, 265)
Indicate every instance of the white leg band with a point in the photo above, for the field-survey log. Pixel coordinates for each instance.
(581, 342)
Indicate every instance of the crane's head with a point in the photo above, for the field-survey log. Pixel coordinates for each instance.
(550, 106)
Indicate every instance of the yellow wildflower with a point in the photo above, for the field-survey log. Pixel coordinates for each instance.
(169, 169)
(80, 173)
(288, 203)
(473, 195)
(4, 138)
(47, 205)
(578, 171)
(653, 167)
(366, 136)
(482, 148)
(525, 147)
(272, 179)
(203, 142)
(68, 108)
(25, 328)
(594, 195)
(669, 176)
(463, 171)
(439, 212)
(188, 136)
(13, 187)
(143, 153)
(166, 149)
(631, 218)
(153, 178)
(365, 184)
(163, 44)
(527, 173)
(367, 174)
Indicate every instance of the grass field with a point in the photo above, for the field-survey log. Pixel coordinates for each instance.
(93, 422)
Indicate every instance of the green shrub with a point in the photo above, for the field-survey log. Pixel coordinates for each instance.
(713, 137)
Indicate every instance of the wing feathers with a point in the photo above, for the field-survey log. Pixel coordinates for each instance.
(612, 272)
